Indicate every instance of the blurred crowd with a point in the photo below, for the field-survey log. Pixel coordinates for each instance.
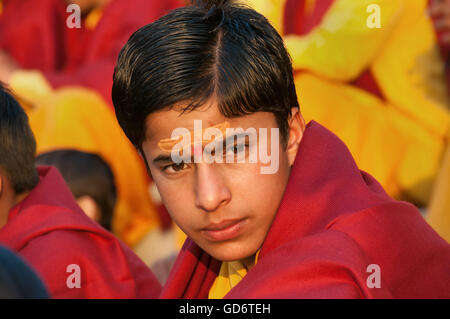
(375, 72)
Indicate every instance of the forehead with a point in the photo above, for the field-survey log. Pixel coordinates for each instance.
(159, 125)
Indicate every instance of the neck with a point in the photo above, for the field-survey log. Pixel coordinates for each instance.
(7, 203)
(20, 197)
(3, 217)
(249, 262)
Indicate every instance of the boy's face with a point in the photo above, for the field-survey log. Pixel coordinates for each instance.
(226, 208)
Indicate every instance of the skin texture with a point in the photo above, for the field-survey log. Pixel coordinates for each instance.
(89, 207)
(7, 66)
(198, 194)
(8, 197)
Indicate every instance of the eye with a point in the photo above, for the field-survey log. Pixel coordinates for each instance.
(175, 167)
(237, 148)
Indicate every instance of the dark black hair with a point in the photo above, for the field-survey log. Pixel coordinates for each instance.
(86, 174)
(17, 144)
(209, 49)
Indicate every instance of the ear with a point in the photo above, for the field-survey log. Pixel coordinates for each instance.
(296, 129)
(89, 207)
(1, 185)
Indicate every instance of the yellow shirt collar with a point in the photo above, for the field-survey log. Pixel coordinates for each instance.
(230, 274)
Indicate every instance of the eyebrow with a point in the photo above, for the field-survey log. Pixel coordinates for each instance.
(162, 159)
(167, 158)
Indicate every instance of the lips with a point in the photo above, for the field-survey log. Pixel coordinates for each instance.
(225, 230)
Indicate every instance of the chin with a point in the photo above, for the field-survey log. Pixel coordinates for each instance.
(230, 252)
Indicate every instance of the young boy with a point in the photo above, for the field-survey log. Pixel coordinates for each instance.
(40, 220)
(302, 222)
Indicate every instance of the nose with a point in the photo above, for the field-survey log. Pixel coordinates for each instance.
(211, 191)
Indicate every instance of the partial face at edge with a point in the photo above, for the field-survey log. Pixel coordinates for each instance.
(226, 208)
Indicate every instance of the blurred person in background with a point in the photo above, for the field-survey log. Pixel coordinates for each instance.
(73, 118)
(371, 71)
(63, 77)
(89, 178)
(40, 49)
(439, 11)
(40, 220)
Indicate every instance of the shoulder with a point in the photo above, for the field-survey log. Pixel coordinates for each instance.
(104, 266)
(395, 226)
(324, 265)
(397, 238)
(53, 252)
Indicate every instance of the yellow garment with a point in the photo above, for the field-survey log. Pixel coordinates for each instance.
(439, 210)
(78, 118)
(342, 45)
(30, 86)
(93, 18)
(273, 10)
(230, 274)
(400, 141)
(401, 154)
(180, 236)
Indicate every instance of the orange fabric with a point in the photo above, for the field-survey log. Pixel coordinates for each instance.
(439, 210)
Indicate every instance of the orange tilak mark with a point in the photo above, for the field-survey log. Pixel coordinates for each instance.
(167, 144)
(198, 150)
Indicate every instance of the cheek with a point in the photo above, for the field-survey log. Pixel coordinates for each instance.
(178, 200)
(265, 194)
(262, 192)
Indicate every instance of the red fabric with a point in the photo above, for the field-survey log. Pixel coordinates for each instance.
(333, 221)
(444, 47)
(92, 61)
(367, 82)
(35, 33)
(297, 21)
(51, 232)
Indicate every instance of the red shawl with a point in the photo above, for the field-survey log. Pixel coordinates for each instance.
(333, 222)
